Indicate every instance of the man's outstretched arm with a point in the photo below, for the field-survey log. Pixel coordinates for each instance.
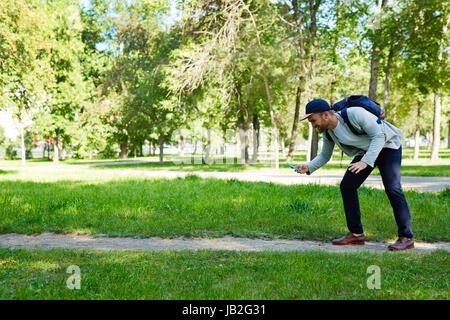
(321, 159)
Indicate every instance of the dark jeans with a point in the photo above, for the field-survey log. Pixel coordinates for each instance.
(389, 163)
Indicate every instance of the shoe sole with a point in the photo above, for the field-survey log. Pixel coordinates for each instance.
(411, 246)
(345, 244)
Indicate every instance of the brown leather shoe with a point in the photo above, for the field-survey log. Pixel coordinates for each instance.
(349, 239)
(402, 243)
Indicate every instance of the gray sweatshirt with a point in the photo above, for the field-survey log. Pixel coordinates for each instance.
(375, 137)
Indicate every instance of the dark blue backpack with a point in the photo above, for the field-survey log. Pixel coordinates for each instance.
(355, 101)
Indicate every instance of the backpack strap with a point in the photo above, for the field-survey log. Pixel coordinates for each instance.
(328, 135)
(329, 138)
(347, 121)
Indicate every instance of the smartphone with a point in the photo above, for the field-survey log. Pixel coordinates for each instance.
(292, 166)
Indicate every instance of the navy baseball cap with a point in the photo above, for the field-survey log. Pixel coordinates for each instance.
(316, 106)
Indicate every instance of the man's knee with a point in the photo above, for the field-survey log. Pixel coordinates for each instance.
(346, 185)
(393, 190)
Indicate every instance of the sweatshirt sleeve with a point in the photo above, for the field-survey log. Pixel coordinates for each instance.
(367, 122)
(323, 157)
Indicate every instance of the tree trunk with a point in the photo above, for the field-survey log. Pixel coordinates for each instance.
(417, 132)
(242, 138)
(195, 147)
(335, 51)
(181, 147)
(436, 126)
(123, 151)
(255, 138)
(272, 121)
(310, 136)
(416, 143)
(55, 149)
(208, 147)
(247, 127)
(300, 45)
(437, 106)
(448, 137)
(161, 148)
(313, 8)
(62, 154)
(387, 74)
(23, 144)
(314, 144)
(301, 52)
(376, 49)
(429, 136)
(290, 156)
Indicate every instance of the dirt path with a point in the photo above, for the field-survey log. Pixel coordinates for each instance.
(51, 240)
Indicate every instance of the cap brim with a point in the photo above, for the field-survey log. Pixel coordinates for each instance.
(305, 116)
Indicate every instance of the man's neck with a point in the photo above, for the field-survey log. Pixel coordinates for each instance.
(333, 122)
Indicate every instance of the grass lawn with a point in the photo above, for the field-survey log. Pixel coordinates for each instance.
(127, 204)
(41, 274)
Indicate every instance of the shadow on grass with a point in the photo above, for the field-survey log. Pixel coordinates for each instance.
(5, 172)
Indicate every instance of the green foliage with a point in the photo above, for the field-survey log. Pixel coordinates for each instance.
(120, 72)
(10, 152)
(2, 135)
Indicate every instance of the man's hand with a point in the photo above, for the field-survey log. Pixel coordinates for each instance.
(357, 166)
(302, 169)
(383, 114)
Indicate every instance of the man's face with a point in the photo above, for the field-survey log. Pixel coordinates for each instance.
(319, 121)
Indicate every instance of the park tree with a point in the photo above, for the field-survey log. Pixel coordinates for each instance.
(140, 45)
(2, 136)
(425, 53)
(228, 48)
(375, 35)
(24, 60)
(328, 53)
(68, 95)
(403, 20)
(93, 132)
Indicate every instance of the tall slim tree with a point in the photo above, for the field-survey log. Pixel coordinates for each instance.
(376, 50)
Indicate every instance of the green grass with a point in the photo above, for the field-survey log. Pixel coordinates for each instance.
(126, 204)
(41, 274)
